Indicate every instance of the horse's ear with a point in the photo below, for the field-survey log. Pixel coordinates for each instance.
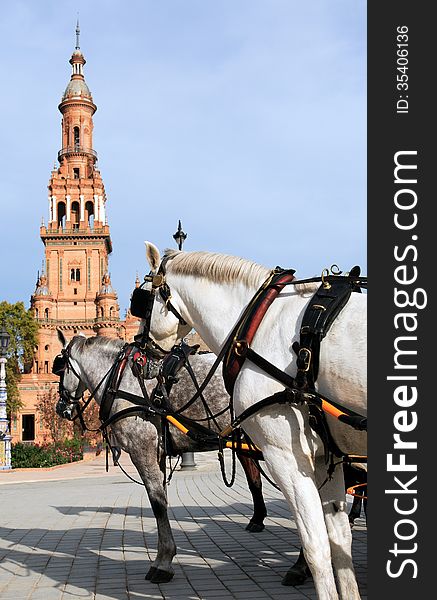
(153, 256)
(61, 338)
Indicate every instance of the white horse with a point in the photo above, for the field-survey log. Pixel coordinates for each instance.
(210, 292)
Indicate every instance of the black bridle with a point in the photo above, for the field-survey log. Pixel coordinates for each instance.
(67, 401)
(142, 302)
(61, 364)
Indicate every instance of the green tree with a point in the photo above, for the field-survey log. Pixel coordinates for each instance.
(23, 329)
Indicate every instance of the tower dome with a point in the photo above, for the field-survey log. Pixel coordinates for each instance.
(106, 288)
(41, 287)
(77, 88)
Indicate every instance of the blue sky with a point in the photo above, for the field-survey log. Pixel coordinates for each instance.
(246, 119)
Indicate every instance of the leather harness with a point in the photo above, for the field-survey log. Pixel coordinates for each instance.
(248, 326)
(324, 307)
(322, 310)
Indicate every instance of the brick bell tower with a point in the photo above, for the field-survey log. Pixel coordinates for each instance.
(73, 291)
(77, 294)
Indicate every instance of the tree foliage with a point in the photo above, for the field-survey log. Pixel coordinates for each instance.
(23, 330)
(59, 429)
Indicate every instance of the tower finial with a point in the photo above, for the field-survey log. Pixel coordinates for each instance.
(77, 33)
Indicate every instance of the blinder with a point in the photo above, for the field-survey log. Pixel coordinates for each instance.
(59, 365)
(141, 304)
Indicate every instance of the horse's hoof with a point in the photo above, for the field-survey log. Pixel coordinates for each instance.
(150, 573)
(161, 576)
(295, 576)
(255, 527)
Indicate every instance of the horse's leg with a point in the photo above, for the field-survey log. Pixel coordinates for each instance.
(354, 475)
(254, 482)
(293, 472)
(355, 511)
(298, 573)
(332, 493)
(152, 473)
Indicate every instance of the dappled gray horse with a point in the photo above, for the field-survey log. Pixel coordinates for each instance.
(88, 361)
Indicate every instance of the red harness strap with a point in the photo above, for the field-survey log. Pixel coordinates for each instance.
(233, 360)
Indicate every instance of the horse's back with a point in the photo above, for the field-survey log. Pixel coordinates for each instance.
(215, 393)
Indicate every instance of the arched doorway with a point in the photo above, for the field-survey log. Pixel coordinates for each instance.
(62, 214)
(89, 214)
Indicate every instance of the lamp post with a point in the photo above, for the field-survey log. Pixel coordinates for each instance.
(187, 457)
(180, 236)
(5, 438)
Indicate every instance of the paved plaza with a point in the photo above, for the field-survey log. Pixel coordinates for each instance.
(79, 532)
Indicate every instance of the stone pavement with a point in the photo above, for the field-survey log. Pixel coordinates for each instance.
(79, 532)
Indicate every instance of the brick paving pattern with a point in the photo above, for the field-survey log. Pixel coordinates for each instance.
(79, 532)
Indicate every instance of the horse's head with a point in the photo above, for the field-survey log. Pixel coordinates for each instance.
(160, 312)
(71, 387)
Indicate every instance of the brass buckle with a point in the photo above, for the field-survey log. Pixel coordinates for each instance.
(318, 307)
(240, 347)
(326, 284)
(158, 280)
(307, 360)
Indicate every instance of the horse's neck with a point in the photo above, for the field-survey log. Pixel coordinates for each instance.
(94, 366)
(213, 308)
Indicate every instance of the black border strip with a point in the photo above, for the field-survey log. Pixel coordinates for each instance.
(390, 131)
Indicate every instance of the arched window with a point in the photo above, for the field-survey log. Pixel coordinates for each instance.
(74, 274)
(62, 212)
(111, 312)
(76, 135)
(89, 213)
(75, 214)
(36, 313)
(46, 314)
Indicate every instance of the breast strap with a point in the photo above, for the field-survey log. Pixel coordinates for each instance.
(234, 359)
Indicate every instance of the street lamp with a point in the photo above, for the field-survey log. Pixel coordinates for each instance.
(4, 341)
(5, 438)
(180, 236)
(187, 457)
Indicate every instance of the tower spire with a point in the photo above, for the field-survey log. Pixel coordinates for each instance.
(77, 34)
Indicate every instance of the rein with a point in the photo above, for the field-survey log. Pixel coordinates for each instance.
(142, 405)
(235, 350)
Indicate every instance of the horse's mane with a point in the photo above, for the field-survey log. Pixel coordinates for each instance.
(220, 268)
(223, 268)
(81, 343)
